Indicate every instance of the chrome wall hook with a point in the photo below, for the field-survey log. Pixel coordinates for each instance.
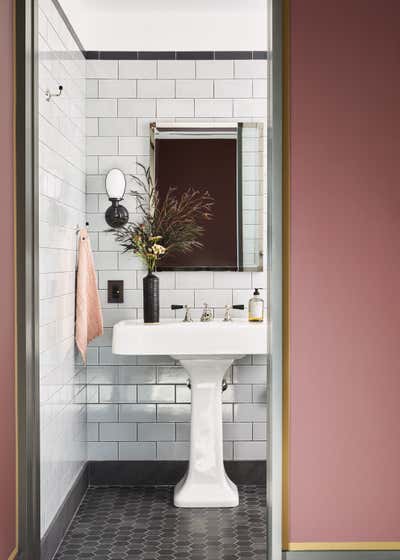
(49, 95)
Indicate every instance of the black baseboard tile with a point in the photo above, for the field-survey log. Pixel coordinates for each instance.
(55, 533)
(135, 473)
(167, 473)
(247, 472)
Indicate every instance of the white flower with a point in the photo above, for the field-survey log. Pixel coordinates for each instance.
(158, 249)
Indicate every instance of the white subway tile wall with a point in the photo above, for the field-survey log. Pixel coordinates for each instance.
(62, 168)
(139, 407)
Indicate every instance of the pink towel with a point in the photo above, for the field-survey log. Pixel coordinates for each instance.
(89, 318)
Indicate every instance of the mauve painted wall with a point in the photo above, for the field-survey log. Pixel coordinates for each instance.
(7, 400)
(345, 278)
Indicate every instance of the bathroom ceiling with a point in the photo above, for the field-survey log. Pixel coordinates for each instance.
(169, 25)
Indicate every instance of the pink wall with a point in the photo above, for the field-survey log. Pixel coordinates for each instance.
(7, 399)
(345, 278)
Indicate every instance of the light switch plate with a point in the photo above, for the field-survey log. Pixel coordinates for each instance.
(115, 291)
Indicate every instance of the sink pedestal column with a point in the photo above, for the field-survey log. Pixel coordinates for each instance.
(206, 483)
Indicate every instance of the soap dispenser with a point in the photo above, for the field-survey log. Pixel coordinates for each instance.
(256, 307)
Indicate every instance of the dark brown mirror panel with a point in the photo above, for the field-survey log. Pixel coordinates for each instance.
(205, 165)
(225, 160)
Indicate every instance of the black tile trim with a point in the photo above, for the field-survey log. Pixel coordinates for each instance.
(156, 55)
(261, 55)
(94, 55)
(195, 55)
(176, 55)
(236, 55)
(65, 19)
(55, 533)
(156, 473)
(112, 55)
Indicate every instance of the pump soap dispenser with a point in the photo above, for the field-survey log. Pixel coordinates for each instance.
(256, 307)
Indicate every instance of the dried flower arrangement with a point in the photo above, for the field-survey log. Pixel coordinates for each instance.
(167, 225)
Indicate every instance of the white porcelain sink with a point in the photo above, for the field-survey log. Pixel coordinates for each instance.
(182, 339)
(206, 351)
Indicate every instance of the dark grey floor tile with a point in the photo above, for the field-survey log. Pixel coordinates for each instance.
(141, 523)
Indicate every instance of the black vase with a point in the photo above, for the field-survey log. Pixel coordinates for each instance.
(151, 298)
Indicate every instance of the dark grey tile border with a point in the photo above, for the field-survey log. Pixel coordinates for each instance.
(55, 533)
(155, 473)
(176, 55)
(110, 55)
(195, 55)
(156, 55)
(94, 55)
(237, 55)
(65, 19)
(261, 55)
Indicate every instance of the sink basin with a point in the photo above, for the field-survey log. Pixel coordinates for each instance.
(206, 351)
(176, 338)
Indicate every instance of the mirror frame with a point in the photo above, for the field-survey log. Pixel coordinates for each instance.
(210, 130)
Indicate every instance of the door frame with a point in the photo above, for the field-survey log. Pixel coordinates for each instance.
(276, 203)
(27, 279)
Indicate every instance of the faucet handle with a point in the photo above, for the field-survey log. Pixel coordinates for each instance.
(228, 308)
(188, 316)
(227, 315)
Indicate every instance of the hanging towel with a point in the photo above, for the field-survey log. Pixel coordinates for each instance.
(89, 318)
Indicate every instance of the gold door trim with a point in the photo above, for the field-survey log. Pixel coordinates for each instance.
(360, 545)
(13, 554)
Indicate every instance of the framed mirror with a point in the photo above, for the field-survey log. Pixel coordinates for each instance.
(226, 159)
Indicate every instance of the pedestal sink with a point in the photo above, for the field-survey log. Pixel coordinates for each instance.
(206, 351)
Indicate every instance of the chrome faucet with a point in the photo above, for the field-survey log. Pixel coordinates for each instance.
(207, 315)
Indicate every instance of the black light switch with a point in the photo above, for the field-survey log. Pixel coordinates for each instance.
(115, 291)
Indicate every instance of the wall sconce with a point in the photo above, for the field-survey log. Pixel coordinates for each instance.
(116, 215)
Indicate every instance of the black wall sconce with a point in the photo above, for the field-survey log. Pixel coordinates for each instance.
(116, 215)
